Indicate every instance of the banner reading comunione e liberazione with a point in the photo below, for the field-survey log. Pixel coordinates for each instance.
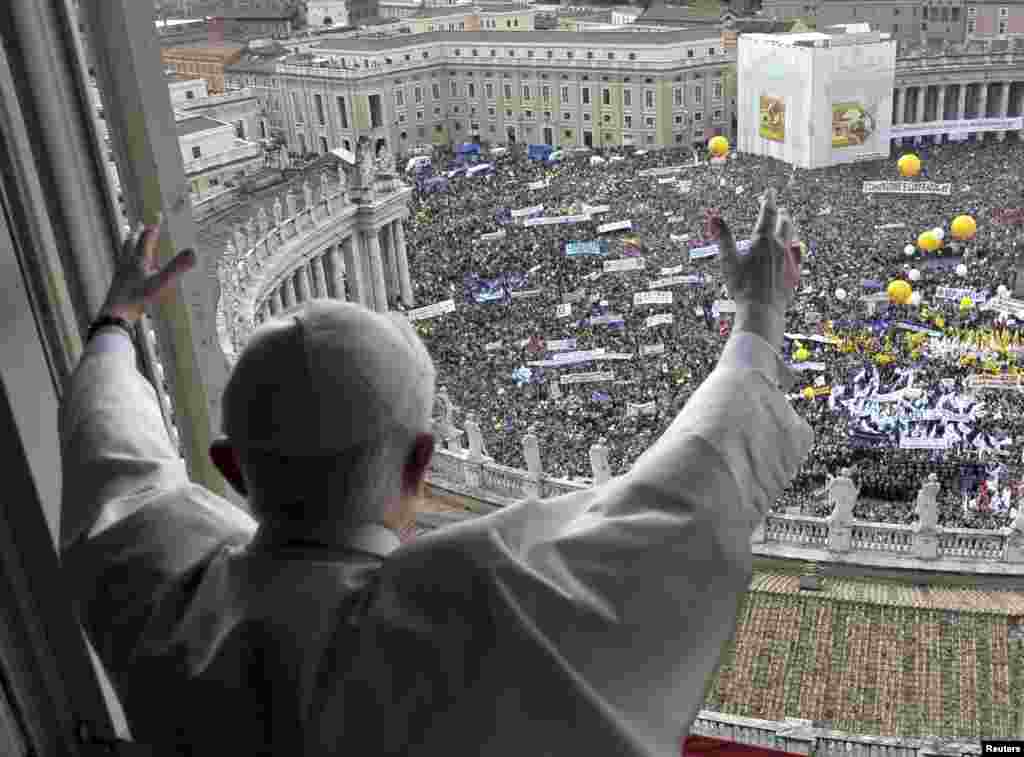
(907, 188)
(961, 126)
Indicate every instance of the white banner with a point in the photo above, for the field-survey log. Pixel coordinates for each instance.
(661, 319)
(431, 311)
(520, 212)
(556, 220)
(807, 366)
(907, 442)
(667, 180)
(595, 210)
(955, 294)
(587, 378)
(672, 271)
(625, 264)
(617, 356)
(664, 171)
(648, 408)
(652, 298)
(907, 188)
(560, 345)
(676, 219)
(647, 350)
(724, 306)
(494, 235)
(564, 310)
(956, 127)
(604, 228)
(539, 184)
(887, 226)
(492, 346)
(604, 320)
(981, 381)
(679, 238)
(1005, 305)
(525, 293)
(712, 249)
(563, 359)
(671, 281)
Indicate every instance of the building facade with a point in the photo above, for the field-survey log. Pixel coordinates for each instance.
(912, 20)
(203, 62)
(327, 13)
(213, 154)
(559, 88)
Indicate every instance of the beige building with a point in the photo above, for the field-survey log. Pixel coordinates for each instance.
(597, 89)
(203, 62)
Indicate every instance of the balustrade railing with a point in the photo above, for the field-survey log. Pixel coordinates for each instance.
(930, 547)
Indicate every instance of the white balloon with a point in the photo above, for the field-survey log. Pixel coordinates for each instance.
(938, 232)
(915, 298)
(961, 270)
(840, 294)
(914, 274)
(1003, 290)
(908, 250)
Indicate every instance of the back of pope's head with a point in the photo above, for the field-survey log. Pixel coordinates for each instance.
(326, 405)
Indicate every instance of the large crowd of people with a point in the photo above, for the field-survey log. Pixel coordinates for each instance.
(881, 375)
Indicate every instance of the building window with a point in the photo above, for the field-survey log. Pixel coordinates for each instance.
(632, 56)
(567, 117)
(611, 56)
(970, 26)
(606, 96)
(955, 14)
(528, 114)
(689, 53)
(649, 139)
(607, 118)
(1004, 12)
(545, 92)
(508, 91)
(565, 94)
(435, 91)
(471, 89)
(426, 54)
(458, 52)
(320, 115)
(551, 53)
(716, 91)
(453, 87)
(590, 54)
(508, 114)
(585, 95)
(344, 112)
(679, 120)
(489, 90)
(627, 98)
(298, 109)
(511, 53)
(628, 121)
(401, 118)
(569, 54)
(698, 94)
(677, 96)
(1002, 26)
(526, 92)
(529, 53)
(716, 116)
(475, 52)
(417, 94)
(494, 53)
(196, 152)
(698, 116)
(648, 99)
(190, 95)
(586, 116)
(972, 12)
(437, 111)
(419, 115)
(399, 98)
(649, 122)
(491, 112)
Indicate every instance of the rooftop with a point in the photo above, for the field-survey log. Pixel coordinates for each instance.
(197, 124)
(455, 10)
(256, 14)
(506, 8)
(544, 37)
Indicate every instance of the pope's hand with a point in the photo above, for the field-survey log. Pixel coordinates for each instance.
(763, 281)
(137, 281)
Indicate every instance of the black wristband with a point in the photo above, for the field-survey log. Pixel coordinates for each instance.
(109, 320)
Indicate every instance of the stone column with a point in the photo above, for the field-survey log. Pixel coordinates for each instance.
(302, 275)
(379, 284)
(276, 305)
(1004, 107)
(390, 272)
(320, 276)
(599, 462)
(982, 106)
(404, 282)
(897, 106)
(288, 286)
(922, 97)
(356, 280)
(940, 109)
(337, 271)
(961, 101)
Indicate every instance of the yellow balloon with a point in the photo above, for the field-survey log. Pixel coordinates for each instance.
(928, 242)
(802, 354)
(899, 292)
(910, 165)
(719, 146)
(940, 322)
(964, 227)
(966, 303)
(808, 392)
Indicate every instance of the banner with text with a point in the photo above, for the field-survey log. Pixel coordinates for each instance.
(561, 345)
(605, 228)
(907, 188)
(652, 298)
(624, 265)
(648, 350)
(661, 319)
(957, 127)
(564, 310)
(556, 220)
(587, 378)
(712, 249)
(594, 248)
(431, 311)
(524, 212)
(634, 410)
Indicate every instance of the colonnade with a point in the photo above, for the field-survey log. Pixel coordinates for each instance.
(368, 267)
(957, 102)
